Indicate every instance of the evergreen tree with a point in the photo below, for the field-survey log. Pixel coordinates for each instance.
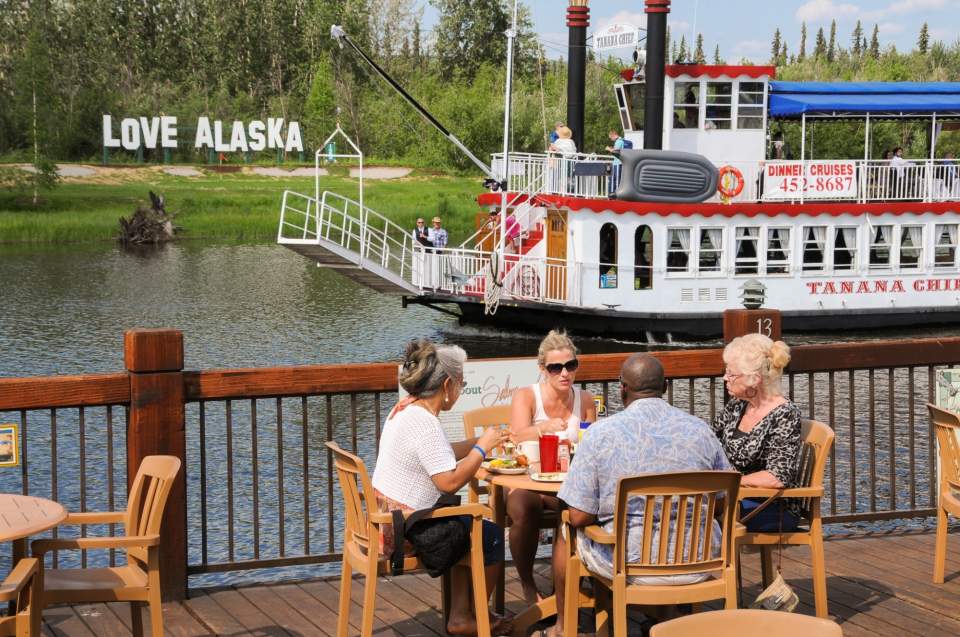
(832, 46)
(465, 38)
(417, 49)
(875, 43)
(820, 48)
(775, 47)
(667, 47)
(716, 55)
(857, 40)
(698, 56)
(923, 42)
(784, 54)
(683, 55)
(802, 54)
(674, 54)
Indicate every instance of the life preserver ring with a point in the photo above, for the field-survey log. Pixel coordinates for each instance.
(726, 189)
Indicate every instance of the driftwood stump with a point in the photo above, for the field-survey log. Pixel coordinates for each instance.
(148, 225)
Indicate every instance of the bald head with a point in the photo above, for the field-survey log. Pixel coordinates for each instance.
(642, 377)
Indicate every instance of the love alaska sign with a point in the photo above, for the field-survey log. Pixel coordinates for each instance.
(153, 132)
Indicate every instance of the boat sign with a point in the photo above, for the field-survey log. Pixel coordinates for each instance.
(810, 179)
(616, 36)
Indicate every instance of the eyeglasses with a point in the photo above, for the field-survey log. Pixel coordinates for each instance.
(728, 376)
(555, 368)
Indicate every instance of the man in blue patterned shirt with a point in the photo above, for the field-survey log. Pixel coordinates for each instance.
(648, 436)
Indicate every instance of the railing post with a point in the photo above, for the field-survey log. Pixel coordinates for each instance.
(157, 426)
(742, 322)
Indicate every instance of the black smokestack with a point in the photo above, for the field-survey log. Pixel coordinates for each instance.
(578, 19)
(656, 11)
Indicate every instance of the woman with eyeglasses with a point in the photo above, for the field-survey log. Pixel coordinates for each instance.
(551, 406)
(759, 428)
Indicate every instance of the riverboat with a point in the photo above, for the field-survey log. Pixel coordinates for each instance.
(834, 243)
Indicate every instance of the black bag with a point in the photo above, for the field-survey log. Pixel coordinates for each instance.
(439, 543)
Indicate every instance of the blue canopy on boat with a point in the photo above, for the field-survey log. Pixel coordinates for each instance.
(792, 99)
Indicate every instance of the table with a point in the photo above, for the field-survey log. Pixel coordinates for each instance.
(23, 515)
(547, 607)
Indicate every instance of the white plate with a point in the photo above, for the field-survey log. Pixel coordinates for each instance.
(507, 472)
(548, 477)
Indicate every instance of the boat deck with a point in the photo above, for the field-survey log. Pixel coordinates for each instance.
(878, 585)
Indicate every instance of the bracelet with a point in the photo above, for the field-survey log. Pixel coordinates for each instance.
(483, 454)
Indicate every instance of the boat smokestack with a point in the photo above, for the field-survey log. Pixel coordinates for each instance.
(656, 11)
(578, 19)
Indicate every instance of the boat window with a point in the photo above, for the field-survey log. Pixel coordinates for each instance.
(608, 256)
(880, 239)
(622, 104)
(911, 247)
(636, 95)
(747, 260)
(814, 248)
(710, 249)
(845, 249)
(778, 250)
(678, 250)
(686, 105)
(945, 250)
(643, 258)
(750, 105)
(719, 104)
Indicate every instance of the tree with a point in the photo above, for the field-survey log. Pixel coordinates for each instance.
(875, 43)
(716, 55)
(469, 34)
(857, 40)
(832, 46)
(820, 48)
(923, 42)
(417, 48)
(683, 56)
(698, 55)
(784, 54)
(802, 54)
(775, 47)
(667, 47)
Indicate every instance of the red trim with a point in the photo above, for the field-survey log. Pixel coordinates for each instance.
(716, 70)
(767, 209)
(657, 6)
(578, 16)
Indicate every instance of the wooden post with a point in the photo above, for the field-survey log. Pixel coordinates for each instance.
(741, 322)
(157, 426)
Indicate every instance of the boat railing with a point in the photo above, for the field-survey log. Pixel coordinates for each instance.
(578, 175)
(525, 212)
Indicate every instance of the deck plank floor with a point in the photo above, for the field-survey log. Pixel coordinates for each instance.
(878, 585)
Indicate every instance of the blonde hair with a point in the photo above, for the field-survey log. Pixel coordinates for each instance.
(760, 355)
(426, 366)
(564, 132)
(556, 339)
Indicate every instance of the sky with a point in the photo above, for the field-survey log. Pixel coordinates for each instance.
(744, 28)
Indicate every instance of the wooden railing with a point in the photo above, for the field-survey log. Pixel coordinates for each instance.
(258, 489)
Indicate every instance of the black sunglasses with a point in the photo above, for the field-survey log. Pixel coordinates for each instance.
(555, 368)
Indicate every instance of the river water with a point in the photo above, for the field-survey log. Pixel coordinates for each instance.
(64, 310)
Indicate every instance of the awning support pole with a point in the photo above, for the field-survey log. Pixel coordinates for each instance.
(803, 136)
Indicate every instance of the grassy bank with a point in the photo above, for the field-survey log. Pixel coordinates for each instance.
(218, 206)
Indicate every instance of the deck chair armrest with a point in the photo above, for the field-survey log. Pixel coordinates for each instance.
(598, 535)
(40, 547)
(798, 492)
(95, 517)
(25, 570)
(953, 484)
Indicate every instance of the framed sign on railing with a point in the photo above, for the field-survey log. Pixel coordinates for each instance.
(9, 445)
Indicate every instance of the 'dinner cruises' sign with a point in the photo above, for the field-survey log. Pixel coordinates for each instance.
(153, 132)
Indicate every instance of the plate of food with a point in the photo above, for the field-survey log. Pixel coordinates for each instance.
(548, 477)
(505, 466)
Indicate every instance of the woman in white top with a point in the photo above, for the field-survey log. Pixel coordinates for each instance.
(552, 405)
(564, 144)
(416, 463)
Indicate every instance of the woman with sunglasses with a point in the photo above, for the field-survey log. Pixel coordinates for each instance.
(759, 428)
(550, 406)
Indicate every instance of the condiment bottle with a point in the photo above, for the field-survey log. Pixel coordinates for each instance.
(563, 453)
(583, 430)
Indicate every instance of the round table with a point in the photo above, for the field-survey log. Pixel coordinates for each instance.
(23, 515)
(546, 607)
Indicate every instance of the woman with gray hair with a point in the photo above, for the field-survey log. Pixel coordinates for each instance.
(759, 428)
(416, 464)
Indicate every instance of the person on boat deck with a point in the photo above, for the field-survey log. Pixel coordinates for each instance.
(554, 135)
(564, 144)
(553, 405)
(759, 428)
(437, 235)
(416, 464)
(648, 436)
(617, 164)
(421, 234)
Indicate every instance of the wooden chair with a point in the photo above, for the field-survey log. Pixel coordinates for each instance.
(947, 424)
(139, 580)
(687, 496)
(747, 623)
(481, 419)
(361, 550)
(817, 441)
(22, 589)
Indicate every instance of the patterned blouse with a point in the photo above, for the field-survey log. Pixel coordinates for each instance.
(772, 445)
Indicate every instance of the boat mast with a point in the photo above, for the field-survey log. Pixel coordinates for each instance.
(505, 179)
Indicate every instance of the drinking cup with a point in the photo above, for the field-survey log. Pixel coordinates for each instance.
(548, 453)
(531, 449)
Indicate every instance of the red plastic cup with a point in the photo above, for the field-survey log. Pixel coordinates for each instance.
(548, 453)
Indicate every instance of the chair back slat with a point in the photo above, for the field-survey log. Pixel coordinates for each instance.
(357, 494)
(947, 425)
(671, 502)
(485, 417)
(148, 499)
(816, 444)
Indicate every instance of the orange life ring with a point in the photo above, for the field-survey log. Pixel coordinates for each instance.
(730, 191)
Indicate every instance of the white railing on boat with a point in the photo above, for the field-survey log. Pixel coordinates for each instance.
(857, 180)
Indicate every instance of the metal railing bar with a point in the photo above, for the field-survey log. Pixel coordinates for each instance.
(305, 442)
(255, 464)
(281, 491)
(204, 540)
(229, 432)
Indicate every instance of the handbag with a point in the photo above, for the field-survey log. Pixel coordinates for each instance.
(439, 543)
(778, 595)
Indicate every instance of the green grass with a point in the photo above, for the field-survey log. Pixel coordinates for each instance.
(229, 207)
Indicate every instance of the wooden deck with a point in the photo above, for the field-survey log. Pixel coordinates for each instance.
(878, 585)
